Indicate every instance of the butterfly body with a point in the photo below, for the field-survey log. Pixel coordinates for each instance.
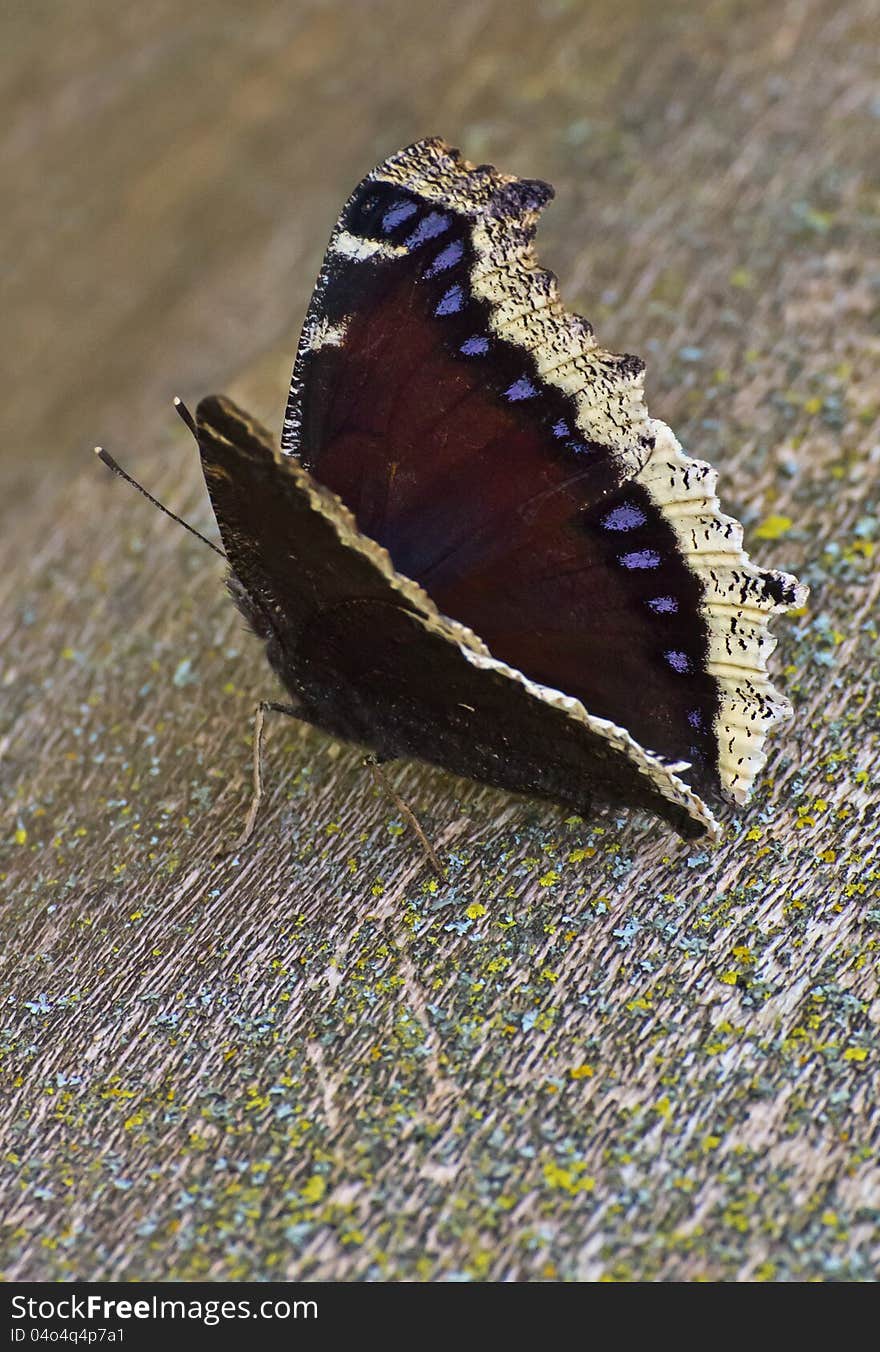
(474, 547)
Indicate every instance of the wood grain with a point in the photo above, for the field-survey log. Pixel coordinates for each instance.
(593, 1052)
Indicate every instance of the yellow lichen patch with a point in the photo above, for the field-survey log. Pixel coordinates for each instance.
(572, 1180)
(772, 527)
(314, 1189)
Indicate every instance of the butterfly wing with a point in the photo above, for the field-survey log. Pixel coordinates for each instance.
(368, 656)
(508, 465)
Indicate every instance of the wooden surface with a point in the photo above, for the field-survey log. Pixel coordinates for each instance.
(593, 1052)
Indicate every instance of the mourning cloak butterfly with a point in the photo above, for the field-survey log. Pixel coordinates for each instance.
(475, 547)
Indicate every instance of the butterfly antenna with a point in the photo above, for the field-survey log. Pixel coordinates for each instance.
(117, 469)
(181, 409)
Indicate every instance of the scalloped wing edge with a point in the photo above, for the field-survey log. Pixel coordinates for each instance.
(738, 599)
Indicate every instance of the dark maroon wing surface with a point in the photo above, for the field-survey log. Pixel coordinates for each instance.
(477, 432)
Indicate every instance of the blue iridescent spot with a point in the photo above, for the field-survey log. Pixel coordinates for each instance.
(429, 228)
(679, 662)
(451, 301)
(561, 428)
(475, 347)
(446, 258)
(625, 517)
(640, 558)
(579, 447)
(400, 211)
(663, 605)
(520, 389)
(695, 718)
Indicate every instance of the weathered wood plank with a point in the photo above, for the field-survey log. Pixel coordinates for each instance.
(593, 1052)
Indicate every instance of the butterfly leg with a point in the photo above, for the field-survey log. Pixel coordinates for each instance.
(374, 765)
(264, 706)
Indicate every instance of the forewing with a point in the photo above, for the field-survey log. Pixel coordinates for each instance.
(509, 466)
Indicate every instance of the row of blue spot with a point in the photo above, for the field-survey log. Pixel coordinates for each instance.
(626, 516)
(453, 299)
(630, 516)
(429, 227)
